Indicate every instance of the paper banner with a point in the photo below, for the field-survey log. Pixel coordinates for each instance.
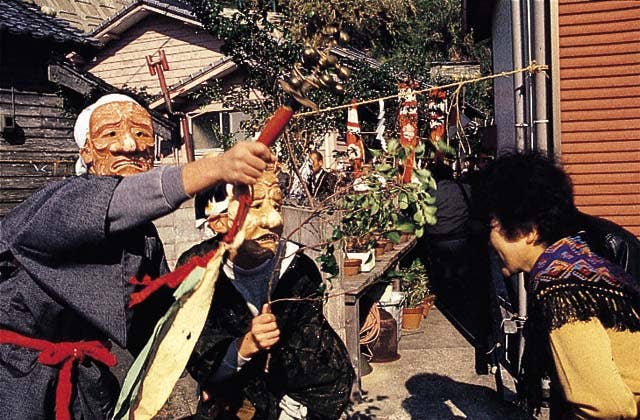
(355, 146)
(408, 122)
(437, 109)
(158, 367)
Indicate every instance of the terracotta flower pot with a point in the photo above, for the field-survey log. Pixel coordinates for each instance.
(388, 245)
(427, 304)
(351, 266)
(426, 307)
(404, 237)
(411, 318)
(379, 250)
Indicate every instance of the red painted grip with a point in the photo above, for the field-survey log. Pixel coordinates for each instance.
(275, 126)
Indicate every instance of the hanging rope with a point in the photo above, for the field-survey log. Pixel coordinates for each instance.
(531, 68)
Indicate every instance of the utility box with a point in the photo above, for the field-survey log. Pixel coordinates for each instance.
(7, 123)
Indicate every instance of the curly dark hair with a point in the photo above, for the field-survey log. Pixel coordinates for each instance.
(523, 191)
(441, 171)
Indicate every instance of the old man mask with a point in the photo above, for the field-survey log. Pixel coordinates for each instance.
(119, 140)
(263, 226)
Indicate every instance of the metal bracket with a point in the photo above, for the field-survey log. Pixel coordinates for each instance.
(513, 325)
(510, 326)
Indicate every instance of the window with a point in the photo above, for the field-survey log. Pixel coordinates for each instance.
(217, 129)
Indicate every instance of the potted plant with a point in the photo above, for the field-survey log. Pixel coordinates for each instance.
(379, 248)
(379, 206)
(359, 244)
(414, 282)
(427, 303)
(419, 281)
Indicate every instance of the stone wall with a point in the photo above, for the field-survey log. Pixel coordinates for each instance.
(178, 232)
(311, 234)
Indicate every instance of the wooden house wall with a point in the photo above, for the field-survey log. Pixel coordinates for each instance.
(43, 149)
(600, 106)
(188, 49)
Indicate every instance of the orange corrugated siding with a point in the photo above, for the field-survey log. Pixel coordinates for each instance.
(600, 106)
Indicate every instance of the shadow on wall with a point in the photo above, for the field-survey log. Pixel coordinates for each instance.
(13, 135)
(440, 397)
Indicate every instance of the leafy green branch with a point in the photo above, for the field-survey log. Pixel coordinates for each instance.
(380, 205)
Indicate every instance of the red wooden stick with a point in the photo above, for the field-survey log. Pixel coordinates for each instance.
(276, 124)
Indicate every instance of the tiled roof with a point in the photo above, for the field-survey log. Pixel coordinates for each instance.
(83, 14)
(177, 7)
(22, 18)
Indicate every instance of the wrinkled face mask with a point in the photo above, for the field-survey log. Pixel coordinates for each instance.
(120, 140)
(263, 225)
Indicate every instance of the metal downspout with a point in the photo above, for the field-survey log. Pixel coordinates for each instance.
(519, 91)
(554, 57)
(518, 78)
(541, 120)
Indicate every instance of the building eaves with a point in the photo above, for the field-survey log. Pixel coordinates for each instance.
(26, 19)
(215, 70)
(180, 9)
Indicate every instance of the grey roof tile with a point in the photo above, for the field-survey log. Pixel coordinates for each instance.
(75, 11)
(22, 18)
(179, 7)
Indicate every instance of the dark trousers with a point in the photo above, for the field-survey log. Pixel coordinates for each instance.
(459, 272)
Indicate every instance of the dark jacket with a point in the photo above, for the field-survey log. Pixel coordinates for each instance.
(309, 363)
(65, 278)
(612, 242)
(323, 185)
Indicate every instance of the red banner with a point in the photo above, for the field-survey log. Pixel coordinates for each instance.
(355, 146)
(408, 126)
(437, 108)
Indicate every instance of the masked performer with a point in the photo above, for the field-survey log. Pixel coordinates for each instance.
(67, 254)
(309, 373)
(583, 328)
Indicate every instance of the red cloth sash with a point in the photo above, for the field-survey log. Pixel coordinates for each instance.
(172, 279)
(65, 354)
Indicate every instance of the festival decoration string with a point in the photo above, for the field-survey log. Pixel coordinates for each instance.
(531, 68)
(371, 328)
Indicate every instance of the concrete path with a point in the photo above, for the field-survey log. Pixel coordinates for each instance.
(433, 379)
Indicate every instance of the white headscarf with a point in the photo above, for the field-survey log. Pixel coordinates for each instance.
(81, 129)
(213, 207)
